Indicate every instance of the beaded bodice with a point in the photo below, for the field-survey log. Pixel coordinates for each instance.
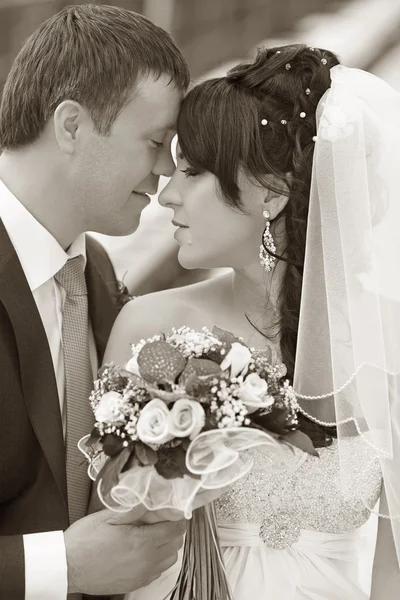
(283, 502)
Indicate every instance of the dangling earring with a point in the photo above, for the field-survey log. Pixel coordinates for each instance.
(267, 261)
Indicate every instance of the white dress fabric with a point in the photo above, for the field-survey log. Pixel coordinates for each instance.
(290, 534)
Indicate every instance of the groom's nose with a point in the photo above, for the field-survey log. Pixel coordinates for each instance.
(165, 164)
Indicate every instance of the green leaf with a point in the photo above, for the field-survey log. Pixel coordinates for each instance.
(171, 463)
(112, 444)
(226, 336)
(112, 469)
(300, 440)
(145, 454)
(275, 421)
(93, 439)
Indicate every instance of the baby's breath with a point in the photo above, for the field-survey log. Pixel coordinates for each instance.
(193, 343)
(225, 406)
(136, 348)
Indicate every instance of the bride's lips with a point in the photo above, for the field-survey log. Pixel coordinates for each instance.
(181, 225)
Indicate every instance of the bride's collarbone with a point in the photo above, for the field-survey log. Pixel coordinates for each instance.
(197, 306)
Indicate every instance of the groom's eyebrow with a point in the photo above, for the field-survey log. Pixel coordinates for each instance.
(169, 127)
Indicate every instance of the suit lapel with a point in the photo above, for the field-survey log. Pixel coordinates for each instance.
(36, 365)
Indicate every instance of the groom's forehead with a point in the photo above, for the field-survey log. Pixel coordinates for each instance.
(159, 101)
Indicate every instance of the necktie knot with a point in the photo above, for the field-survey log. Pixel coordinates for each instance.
(72, 277)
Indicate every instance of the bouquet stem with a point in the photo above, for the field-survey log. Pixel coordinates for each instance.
(202, 575)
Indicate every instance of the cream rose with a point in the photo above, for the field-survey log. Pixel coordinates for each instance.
(237, 359)
(254, 393)
(153, 423)
(132, 366)
(108, 409)
(186, 418)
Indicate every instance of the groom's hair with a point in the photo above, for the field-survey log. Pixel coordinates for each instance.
(95, 55)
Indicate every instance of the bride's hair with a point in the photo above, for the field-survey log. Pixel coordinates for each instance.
(222, 129)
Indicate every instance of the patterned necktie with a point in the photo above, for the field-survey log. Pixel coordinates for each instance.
(78, 382)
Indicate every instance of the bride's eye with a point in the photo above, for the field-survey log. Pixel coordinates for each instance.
(190, 172)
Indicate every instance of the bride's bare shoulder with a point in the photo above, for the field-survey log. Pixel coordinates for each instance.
(155, 313)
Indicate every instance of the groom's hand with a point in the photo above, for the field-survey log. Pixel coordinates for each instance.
(107, 557)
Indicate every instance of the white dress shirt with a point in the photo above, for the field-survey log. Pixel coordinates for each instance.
(41, 257)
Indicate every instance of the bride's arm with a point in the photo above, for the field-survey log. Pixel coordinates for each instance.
(386, 570)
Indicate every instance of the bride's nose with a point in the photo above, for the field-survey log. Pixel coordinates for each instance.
(170, 197)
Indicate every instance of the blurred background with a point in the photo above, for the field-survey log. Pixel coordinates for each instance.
(214, 35)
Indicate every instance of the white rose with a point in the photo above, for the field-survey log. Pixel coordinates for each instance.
(237, 359)
(132, 366)
(254, 393)
(108, 409)
(153, 423)
(186, 418)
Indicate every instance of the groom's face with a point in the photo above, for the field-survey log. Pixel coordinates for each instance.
(117, 171)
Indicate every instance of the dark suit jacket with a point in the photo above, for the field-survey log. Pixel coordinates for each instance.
(33, 490)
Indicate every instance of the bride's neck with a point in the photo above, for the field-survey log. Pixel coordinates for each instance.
(254, 291)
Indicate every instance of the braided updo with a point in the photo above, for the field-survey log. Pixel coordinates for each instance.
(261, 117)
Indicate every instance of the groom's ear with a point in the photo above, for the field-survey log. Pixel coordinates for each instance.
(68, 118)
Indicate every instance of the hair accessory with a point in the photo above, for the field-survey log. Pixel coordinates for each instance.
(312, 48)
(278, 52)
(324, 61)
(264, 122)
(303, 115)
(308, 91)
(267, 246)
(284, 122)
(288, 66)
(314, 138)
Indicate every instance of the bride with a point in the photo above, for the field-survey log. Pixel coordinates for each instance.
(279, 177)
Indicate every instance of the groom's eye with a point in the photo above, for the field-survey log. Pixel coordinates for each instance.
(156, 144)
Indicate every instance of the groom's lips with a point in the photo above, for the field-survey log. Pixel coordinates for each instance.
(143, 194)
(177, 224)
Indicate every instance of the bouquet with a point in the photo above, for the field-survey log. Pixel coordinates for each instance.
(177, 419)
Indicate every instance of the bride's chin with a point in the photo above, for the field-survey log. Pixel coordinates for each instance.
(190, 262)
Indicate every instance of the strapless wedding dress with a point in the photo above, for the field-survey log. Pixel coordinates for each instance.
(290, 534)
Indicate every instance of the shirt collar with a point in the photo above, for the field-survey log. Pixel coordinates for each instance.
(39, 253)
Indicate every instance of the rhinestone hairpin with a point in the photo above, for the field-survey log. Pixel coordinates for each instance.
(265, 121)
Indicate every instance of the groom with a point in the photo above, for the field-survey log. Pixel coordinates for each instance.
(86, 122)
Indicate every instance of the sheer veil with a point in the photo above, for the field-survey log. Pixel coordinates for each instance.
(348, 352)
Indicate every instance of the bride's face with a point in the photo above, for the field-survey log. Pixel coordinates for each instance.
(210, 232)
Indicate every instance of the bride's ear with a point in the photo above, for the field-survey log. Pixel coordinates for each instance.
(277, 197)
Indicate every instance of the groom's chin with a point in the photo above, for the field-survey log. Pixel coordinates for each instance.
(122, 229)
